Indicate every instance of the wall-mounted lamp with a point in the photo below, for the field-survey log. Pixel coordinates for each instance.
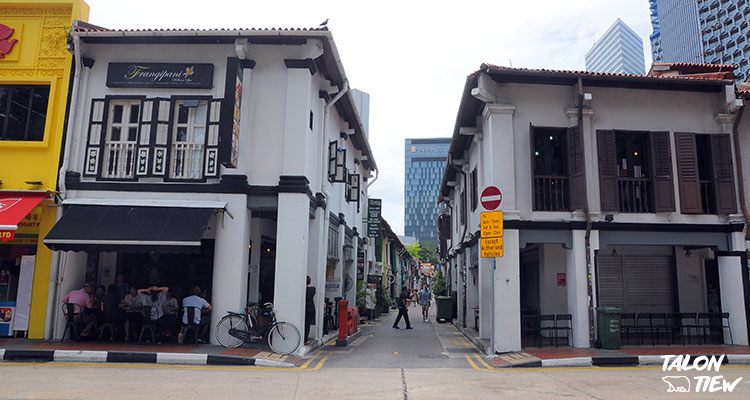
(609, 217)
(614, 252)
(688, 252)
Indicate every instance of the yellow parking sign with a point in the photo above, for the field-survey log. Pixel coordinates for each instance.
(491, 224)
(492, 247)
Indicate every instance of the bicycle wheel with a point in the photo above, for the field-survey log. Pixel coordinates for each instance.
(284, 338)
(223, 327)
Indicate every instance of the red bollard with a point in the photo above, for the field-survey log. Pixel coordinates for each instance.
(343, 319)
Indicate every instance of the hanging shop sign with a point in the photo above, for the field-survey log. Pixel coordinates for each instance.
(374, 207)
(160, 75)
(229, 129)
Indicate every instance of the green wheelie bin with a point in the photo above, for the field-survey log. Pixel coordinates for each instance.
(444, 308)
(608, 325)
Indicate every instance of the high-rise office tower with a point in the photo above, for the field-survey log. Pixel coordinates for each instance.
(702, 31)
(676, 33)
(362, 102)
(424, 165)
(619, 50)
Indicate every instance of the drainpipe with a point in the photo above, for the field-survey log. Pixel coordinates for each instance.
(587, 238)
(58, 258)
(738, 166)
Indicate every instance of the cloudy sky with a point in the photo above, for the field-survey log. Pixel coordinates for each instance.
(411, 56)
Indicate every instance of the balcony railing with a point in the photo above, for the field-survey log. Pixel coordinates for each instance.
(187, 160)
(550, 193)
(635, 195)
(119, 161)
(708, 202)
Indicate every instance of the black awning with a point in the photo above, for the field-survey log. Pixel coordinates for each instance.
(129, 229)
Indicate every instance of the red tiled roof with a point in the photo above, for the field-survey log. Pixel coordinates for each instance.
(696, 65)
(92, 28)
(743, 88)
(705, 76)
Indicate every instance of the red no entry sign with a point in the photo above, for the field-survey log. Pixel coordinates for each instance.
(491, 198)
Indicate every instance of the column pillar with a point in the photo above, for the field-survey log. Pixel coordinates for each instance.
(74, 269)
(229, 287)
(318, 271)
(507, 296)
(485, 295)
(291, 258)
(732, 296)
(577, 289)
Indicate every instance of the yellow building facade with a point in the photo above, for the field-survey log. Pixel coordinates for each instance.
(35, 68)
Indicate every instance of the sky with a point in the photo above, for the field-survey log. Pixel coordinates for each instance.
(413, 56)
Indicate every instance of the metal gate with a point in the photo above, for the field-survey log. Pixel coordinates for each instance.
(636, 283)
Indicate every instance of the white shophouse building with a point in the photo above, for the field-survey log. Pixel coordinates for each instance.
(617, 190)
(234, 159)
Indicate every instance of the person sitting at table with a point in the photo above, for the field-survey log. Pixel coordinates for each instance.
(130, 305)
(194, 300)
(122, 287)
(110, 307)
(154, 297)
(169, 320)
(81, 298)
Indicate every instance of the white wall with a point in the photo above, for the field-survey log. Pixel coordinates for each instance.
(553, 299)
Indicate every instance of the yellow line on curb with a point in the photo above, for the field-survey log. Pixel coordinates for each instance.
(482, 361)
(473, 365)
(322, 361)
(306, 364)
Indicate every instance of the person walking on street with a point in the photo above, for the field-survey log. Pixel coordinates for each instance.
(425, 297)
(309, 308)
(403, 303)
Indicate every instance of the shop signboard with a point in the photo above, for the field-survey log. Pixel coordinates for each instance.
(7, 310)
(160, 75)
(229, 129)
(374, 208)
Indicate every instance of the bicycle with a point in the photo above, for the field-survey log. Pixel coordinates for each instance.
(234, 329)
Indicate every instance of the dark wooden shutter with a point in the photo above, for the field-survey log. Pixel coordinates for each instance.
(161, 137)
(607, 150)
(687, 173)
(533, 166)
(576, 168)
(211, 168)
(721, 159)
(148, 117)
(661, 172)
(96, 137)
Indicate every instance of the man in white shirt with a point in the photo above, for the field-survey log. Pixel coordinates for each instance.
(194, 300)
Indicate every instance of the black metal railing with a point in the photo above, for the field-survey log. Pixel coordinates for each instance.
(708, 202)
(635, 195)
(550, 193)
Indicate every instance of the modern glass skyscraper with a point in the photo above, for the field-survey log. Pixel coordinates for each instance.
(619, 50)
(702, 31)
(726, 33)
(676, 33)
(424, 165)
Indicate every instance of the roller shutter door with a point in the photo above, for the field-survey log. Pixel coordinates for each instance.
(637, 283)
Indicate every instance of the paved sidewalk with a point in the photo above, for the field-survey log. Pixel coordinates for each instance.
(626, 356)
(167, 353)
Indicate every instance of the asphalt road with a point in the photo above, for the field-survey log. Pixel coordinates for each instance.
(428, 362)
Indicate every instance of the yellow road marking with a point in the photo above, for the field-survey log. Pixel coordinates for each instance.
(322, 361)
(455, 341)
(473, 365)
(306, 364)
(482, 361)
(584, 369)
(465, 342)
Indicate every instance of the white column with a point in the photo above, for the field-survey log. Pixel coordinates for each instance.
(74, 274)
(577, 289)
(229, 288)
(507, 296)
(485, 295)
(500, 152)
(732, 298)
(291, 258)
(254, 269)
(317, 266)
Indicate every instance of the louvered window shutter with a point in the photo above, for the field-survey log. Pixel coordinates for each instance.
(687, 173)
(721, 159)
(161, 137)
(332, 148)
(212, 142)
(661, 172)
(352, 194)
(144, 142)
(576, 169)
(95, 139)
(607, 151)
